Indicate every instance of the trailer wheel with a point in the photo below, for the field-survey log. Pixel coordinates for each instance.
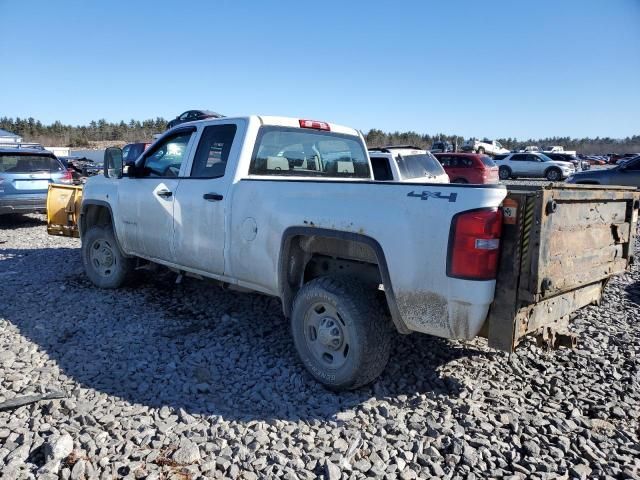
(104, 263)
(504, 173)
(554, 174)
(341, 332)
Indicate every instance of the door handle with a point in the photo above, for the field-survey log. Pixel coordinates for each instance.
(212, 197)
(164, 193)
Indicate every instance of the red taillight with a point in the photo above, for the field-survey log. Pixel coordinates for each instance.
(66, 177)
(474, 244)
(315, 125)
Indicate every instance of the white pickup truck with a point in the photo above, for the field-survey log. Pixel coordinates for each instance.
(484, 147)
(289, 208)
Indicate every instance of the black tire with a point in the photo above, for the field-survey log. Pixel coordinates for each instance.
(365, 332)
(459, 180)
(553, 174)
(504, 173)
(480, 150)
(105, 264)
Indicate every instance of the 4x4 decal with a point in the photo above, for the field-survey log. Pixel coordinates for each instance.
(426, 195)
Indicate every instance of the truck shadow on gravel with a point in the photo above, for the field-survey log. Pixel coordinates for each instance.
(193, 346)
(633, 292)
(15, 220)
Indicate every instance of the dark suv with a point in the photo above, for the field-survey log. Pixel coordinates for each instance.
(441, 146)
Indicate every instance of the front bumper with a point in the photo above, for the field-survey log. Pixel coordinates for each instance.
(23, 203)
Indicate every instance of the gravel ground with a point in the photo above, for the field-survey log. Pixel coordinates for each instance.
(192, 381)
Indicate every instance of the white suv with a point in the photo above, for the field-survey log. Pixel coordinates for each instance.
(404, 163)
(532, 164)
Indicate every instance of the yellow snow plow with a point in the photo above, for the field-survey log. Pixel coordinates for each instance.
(63, 210)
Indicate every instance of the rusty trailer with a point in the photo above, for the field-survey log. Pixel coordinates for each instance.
(560, 245)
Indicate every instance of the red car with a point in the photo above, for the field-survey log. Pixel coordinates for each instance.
(468, 167)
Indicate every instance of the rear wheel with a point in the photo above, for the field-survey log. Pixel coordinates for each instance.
(105, 265)
(554, 175)
(504, 173)
(481, 150)
(341, 332)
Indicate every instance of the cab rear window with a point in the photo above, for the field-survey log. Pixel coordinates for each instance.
(284, 151)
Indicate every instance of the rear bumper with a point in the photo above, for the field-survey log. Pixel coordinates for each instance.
(23, 203)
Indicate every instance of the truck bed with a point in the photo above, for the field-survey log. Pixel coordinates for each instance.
(560, 245)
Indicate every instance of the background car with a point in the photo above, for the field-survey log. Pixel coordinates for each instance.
(191, 116)
(627, 173)
(490, 147)
(468, 167)
(131, 151)
(569, 157)
(25, 175)
(441, 146)
(533, 165)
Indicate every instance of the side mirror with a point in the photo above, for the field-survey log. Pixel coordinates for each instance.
(113, 162)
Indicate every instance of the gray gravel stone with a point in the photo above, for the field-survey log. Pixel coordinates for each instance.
(159, 374)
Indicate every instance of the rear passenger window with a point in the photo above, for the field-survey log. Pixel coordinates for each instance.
(213, 151)
(381, 168)
(519, 158)
(445, 161)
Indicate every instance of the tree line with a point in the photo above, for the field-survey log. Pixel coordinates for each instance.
(58, 134)
(588, 146)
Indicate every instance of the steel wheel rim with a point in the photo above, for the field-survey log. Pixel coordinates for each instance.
(102, 257)
(326, 335)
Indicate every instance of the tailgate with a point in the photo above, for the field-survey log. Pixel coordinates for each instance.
(560, 244)
(63, 210)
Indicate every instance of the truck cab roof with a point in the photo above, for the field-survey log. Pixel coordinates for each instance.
(280, 122)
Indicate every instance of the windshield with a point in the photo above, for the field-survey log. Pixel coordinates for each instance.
(306, 152)
(544, 157)
(29, 164)
(419, 165)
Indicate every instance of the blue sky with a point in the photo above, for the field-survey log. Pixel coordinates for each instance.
(475, 68)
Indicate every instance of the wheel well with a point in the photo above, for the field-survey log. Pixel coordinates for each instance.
(308, 256)
(94, 215)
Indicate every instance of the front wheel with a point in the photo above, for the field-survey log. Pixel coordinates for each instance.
(341, 332)
(554, 175)
(105, 265)
(504, 173)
